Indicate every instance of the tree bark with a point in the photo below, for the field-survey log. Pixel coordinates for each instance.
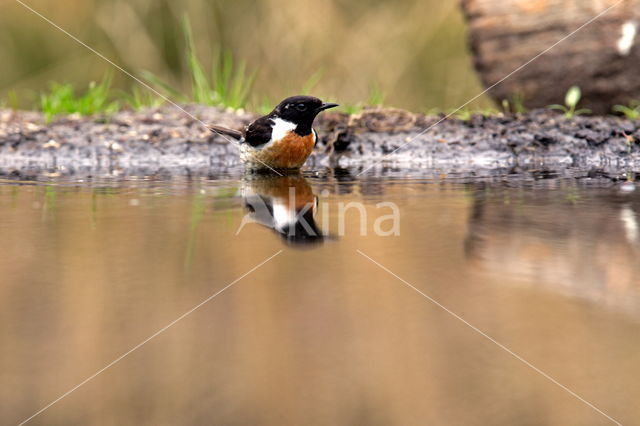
(535, 40)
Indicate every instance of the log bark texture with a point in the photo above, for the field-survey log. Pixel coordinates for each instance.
(602, 58)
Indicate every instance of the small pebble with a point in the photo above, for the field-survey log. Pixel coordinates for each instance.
(51, 144)
(114, 146)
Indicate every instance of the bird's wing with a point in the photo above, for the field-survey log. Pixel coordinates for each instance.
(259, 132)
(236, 134)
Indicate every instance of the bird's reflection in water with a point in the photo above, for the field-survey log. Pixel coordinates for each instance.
(285, 204)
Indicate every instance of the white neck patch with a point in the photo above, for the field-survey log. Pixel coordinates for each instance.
(280, 128)
(283, 216)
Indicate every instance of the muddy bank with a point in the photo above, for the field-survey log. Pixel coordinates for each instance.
(168, 138)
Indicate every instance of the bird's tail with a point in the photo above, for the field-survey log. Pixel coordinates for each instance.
(236, 134)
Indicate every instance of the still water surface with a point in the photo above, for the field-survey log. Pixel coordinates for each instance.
(319, 334)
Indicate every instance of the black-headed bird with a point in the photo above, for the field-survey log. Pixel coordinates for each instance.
(282, 139)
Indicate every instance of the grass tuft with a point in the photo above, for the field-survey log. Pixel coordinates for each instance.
(11, 101)
(141, 98)
(312, 82)
(571, 101)
(61, 99)
(227, 83)
(631, 111)
(375, 99)
(466, 114)
(515, 104)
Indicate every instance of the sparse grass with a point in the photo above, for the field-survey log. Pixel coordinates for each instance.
(312, 82)
(61, 99)
(150, 32)
(375, 99)
(11, 101)
(515, 104)
(163, 87)
(227, 83)
(465, 114)
(141, 98)
(351, 109)
(264, 107)
(631, 111)
(571, 101)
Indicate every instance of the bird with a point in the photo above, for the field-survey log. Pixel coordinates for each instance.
(285, 204)
(282, 139)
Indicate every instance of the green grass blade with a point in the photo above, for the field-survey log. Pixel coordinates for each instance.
(200, 89)
(312, 82)
(163, 87)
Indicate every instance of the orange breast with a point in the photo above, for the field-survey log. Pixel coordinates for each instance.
(289, 152)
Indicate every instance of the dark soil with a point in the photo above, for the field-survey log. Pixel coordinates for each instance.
(168, 138)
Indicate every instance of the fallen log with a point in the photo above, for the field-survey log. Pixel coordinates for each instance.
(588, 43)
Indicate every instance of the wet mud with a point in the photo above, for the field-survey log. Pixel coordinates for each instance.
(168, 139)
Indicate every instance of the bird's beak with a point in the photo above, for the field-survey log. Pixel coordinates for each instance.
(326, 105)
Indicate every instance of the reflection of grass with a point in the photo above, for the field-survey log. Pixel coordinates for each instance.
(14, 197)
(61, 99)
(94, 209)
(103, 192)
(50, 201)
(572, 196)
(197, 212)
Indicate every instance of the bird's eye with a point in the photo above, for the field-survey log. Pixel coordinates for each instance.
(301, 107)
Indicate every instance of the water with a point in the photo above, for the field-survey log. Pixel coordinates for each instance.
(320, 334)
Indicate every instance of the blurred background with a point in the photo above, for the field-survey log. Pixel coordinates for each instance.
(412, 53)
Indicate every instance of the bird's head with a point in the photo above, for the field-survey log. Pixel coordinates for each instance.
(301, 110)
